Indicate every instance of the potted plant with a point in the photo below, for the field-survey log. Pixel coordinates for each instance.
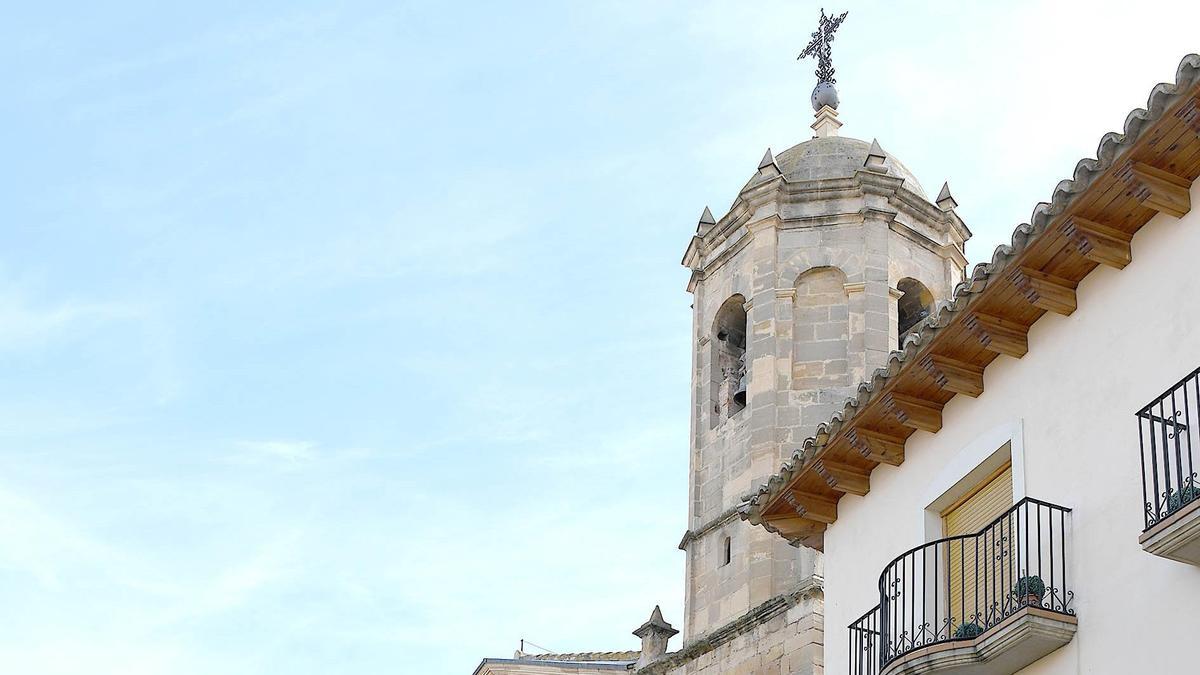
(967, 631)
(1030, 590)
(1182, 497)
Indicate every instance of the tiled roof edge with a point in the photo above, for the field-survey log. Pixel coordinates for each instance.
(740, 626)
(584, 656)
(1087, 170)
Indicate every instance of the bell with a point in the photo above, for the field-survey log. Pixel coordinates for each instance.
(739, 396)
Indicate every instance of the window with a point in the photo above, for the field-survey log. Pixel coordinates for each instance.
(972, 513)
(726, 550)
(729, 373)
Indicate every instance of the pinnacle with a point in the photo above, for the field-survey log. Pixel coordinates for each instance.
(767, 160)
(875, 158)
(945, 200)
(656, 625)
(706, 218)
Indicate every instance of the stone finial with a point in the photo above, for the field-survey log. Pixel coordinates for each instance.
(827, 123)
(768, 160)
(654, 634)
(875, 158)
(706, 220)
(944, 200)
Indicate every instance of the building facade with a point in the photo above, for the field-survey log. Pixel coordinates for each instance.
(1016, 490)
(897, 468)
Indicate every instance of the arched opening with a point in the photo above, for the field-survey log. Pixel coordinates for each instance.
(729, 373)
(915, 303)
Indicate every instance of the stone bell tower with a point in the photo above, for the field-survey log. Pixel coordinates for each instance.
(830, 252)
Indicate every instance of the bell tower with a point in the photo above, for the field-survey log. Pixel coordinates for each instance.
(799, 291)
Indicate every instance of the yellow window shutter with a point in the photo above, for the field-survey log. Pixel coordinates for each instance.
(965, 557)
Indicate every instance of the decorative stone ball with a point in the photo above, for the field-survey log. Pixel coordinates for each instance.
(824, 94)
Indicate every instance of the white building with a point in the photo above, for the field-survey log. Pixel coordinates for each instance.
(1015, 491)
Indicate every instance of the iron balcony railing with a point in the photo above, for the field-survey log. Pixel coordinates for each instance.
(864, 644)
(1166, 427)
(960, 587)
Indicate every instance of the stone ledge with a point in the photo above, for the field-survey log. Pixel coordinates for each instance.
(1018, 641)
(739, 626)
(727, 516)
(1176, 537)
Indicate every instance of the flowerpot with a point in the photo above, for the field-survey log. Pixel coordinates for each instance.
(1031, 600)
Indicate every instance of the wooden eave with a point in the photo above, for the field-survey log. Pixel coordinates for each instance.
(1091, 221)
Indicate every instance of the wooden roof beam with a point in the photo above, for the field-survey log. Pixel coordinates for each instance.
(843, 477)
(1190, 114)
(877, 446)
(1051, 293)
(816, 541)
(953, 375)
(817, 507)
(914, 412)
(1160, 190)
(1002, 336)
(1099, 243)
(792, 526)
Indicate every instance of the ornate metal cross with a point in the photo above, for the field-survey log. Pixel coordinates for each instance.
(820, 46)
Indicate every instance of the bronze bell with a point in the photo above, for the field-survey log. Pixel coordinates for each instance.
(739, 396)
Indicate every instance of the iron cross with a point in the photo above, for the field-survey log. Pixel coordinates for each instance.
(820, 46)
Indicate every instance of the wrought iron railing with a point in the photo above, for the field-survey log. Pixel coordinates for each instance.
(1166, 428)
(960, 587)
(864, 644)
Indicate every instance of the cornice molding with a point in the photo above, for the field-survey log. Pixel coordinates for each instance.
(783, 193)
(726, 516)
(813, 586)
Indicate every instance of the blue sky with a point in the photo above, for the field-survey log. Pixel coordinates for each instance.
(352, 337)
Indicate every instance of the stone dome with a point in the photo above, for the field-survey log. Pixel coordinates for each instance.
(837, 157)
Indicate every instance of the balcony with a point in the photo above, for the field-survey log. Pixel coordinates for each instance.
(1170, 494)
(984, 604)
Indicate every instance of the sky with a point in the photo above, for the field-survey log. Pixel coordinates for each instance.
(352, 337)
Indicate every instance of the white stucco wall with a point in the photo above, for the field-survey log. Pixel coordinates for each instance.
(1070, 402)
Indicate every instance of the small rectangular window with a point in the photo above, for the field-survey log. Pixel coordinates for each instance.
(725, 553)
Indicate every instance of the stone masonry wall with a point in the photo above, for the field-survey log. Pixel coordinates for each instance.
(821, 330)
(787, 642)
(819, 282)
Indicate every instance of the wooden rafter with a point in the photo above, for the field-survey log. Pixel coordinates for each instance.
(953, 375)
(817, 507)
(1190, 114)
(999, 335)
(1160, 190)
(914, 412)
(877, 446)
(843, 477)
(793, 526)
(1047, 291)
(1099, 243)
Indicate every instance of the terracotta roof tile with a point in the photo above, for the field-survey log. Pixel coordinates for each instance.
(585, 656)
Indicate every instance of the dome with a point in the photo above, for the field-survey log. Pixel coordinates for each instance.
(837, 157)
